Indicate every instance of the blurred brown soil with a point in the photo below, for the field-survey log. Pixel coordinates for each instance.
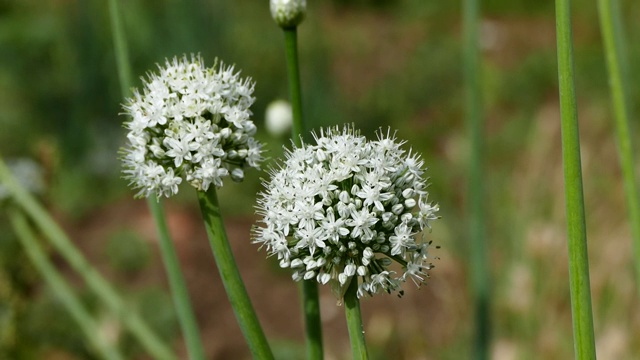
(420, 318)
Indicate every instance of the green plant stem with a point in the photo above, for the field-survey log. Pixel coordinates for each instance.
(580, 288)
(617, 64)
(310, 299)
(230, 275)
(479, 275)
(177, 283)
(354, 321)
(295, 93)
(123, 64)
(179, 290)
(51, 275)
(94, 280)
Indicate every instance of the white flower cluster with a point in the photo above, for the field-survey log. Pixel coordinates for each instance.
(346, 208)
(192, 122)
(288, 13)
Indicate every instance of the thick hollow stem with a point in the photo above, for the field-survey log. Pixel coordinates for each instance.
(230, 275)
(354, 321)
(580, 288)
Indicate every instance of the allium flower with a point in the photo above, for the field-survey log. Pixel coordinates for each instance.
(348, 208)
(288, 13)
(191, 123)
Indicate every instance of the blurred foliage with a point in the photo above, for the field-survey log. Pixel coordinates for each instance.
(127, 252)
(376, 63)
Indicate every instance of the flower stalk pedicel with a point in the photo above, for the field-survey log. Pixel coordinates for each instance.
(346, 209)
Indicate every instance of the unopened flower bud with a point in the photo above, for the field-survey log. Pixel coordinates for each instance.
(288, 13)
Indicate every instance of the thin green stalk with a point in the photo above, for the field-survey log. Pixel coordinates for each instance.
(179, 290)
(354, 321)
(310, 300)
(177, 283)
(51, 275)
(584, 343)
(230, 275)
(123, 64)
(479, 275)
(612, 35)
(295, 93)
(94, 280)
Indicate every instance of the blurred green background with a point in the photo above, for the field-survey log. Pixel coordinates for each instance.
(377, 63)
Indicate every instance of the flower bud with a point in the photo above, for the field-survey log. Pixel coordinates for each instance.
(288, 13)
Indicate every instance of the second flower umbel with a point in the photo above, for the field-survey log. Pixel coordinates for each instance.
(347, 208)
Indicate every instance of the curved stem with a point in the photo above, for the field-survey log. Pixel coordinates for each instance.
(354, 321)
(617, 64)
(79, 263)
(584, 342)
(230, 276)
(51, 275)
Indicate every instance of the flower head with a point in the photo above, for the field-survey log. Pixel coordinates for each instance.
(288, 13)
(347, 208)
(190, 123)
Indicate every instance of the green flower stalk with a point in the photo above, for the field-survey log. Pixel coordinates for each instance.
(479, 269)
(87, 323)
(192, 123)
(78, 262)
(584, 342)
(617, 64)
(288, 14)
(177, 283)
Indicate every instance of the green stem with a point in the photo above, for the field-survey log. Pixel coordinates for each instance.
(94, 280)
(230, 275)
(580, 289)
(51, 275)
(612, 35)
(479, 275)
(354, 321)
(177, 283)
(310, 300)
(179, 291)
(121, 49)
(295, 93)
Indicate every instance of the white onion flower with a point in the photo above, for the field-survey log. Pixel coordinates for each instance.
(348, 208)
(288, 13)
(189, 123)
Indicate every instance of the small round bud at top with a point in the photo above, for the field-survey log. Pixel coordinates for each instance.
(288, 13)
